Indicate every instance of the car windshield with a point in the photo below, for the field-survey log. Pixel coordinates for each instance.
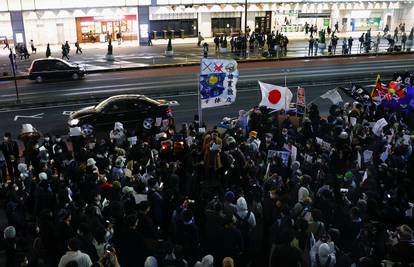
(102, 104)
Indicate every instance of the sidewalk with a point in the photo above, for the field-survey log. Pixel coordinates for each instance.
(130, 55)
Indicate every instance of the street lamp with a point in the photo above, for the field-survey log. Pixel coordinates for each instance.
(245, 18)
(285, 72)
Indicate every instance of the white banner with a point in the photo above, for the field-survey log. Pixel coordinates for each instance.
(218, 79)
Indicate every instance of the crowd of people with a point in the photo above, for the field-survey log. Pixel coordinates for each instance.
(264, 189)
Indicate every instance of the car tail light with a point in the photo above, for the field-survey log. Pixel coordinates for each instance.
(29, 70)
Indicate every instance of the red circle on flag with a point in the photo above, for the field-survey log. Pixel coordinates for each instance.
(274, 96)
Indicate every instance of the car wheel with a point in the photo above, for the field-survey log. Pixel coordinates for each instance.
(39, 79)
(87, 129)
(148, 123)
(75, 76)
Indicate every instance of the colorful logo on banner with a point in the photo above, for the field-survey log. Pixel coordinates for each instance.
(398, 93)
(300, 100)
(218, 79)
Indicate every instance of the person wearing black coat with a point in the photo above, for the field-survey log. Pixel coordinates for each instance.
(187, 235)
(130, 246)
(10, 150)
(231, 242)
(86, 245)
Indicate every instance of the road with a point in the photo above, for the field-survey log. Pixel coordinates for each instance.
(129, 55)
(180, 84)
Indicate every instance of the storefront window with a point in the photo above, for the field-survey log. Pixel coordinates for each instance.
(174, 28)
(226, 26)
(100, 29)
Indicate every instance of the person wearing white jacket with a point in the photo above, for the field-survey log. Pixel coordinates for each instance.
(243, 211)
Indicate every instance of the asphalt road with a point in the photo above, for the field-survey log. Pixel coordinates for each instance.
(180, 84)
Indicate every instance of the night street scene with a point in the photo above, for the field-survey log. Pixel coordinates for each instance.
(167, 133)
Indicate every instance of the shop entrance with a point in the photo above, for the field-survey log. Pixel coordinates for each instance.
(101, 29)
(263, 24)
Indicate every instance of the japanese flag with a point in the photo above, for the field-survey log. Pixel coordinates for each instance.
(275, 97)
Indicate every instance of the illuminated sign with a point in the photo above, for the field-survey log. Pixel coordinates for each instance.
(109, 18)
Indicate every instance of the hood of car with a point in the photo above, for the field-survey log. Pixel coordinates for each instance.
(83, 112)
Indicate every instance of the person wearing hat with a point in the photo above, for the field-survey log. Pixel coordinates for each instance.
(44, 196)
(229, 208)
(323, 256)
(60, 146)
(10, 246)
(212, 155)
(117, 135)
(91, 163)
(268, 144)
(253, 144)
(118, 171)
(10, 150)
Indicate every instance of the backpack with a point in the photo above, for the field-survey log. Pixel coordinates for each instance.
(243, 224)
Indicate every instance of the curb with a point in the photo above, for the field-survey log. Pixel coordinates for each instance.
(158, 66)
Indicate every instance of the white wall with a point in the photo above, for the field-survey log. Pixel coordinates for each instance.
(204, 24)
(406, 15)
(5, 25)
(46, 31)
(6, 5)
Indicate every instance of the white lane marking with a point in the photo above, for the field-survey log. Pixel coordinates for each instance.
(67, 113)
(36, 116)
(138, 86)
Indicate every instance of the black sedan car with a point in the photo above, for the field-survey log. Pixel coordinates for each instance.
(54, 68)
(136, 111)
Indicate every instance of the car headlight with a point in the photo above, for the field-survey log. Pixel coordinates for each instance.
(73, 122)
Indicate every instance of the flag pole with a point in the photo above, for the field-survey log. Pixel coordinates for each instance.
(200, 112)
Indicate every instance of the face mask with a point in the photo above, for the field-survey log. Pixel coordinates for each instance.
(36, 146)
(58, 139)
(6, 139)
(47, 139)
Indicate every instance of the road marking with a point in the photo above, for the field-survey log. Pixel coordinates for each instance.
(67, 113)
(36, 116)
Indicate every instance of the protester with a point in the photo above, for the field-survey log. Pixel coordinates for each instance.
(263, 191)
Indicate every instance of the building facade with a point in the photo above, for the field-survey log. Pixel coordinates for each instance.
(57, 21)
